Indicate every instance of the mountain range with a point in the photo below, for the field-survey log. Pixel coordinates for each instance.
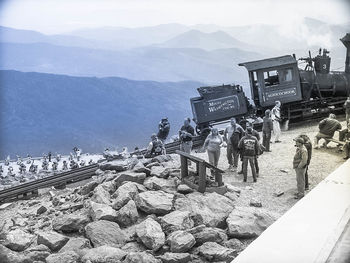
(46, 112)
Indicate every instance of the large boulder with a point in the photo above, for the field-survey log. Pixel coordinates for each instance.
(211, 207)
(162, 158)
(18, 240)
(210, 234)
(151, 234)
(176, 220)
(52, 240)
(133, 247)
(169, 257)
(184, 189)
(155, 202)
(117, 165)
(76, 244)
(66, 257)
(180, 241)
(102, 212)
(104, 232)
(215, 252)
(124, 194)
(129, 176)
(137, 257)
(140, 168)
(88, 187)
(101, 196)
(248, 222)
(235, 244)
(127, 215)
(160, 171)
(155, 183)
(70, 222)
(104, 254)
(37, 253)
(9, 256)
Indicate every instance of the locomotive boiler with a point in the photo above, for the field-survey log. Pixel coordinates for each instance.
(306, 93)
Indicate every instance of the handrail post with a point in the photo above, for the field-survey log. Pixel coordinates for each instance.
(202, 177)
(184, 167)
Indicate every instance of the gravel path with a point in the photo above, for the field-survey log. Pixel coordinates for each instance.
(272, 179)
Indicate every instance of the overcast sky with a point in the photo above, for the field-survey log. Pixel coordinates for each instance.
(57, 16)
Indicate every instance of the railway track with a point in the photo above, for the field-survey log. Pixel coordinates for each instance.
(29, 189)
(59, 179)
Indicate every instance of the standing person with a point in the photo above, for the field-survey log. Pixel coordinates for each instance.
(267, 130)
(213, 144)
(256, 134)
(186, 134)
(308, 146)
(249, 148)
(232, 135)
(347, 111)
(299, 165)
(276, 118)
(163, 129)
(327, 128)
(49, 155)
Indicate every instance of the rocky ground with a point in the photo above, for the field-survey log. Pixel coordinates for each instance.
(137, 210)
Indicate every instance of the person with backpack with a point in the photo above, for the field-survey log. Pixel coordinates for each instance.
(186, 135)
(213, 145)
(163, 129)
(155, 147)
(232, 135)
(249, 147)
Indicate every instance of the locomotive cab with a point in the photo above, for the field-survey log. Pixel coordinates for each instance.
(274, 79)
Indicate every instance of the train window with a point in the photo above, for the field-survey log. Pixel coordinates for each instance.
(271, 78)
(285, 75)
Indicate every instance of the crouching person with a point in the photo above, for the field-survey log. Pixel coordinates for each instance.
(327, 128)
(299, 165)
(249, 148)
(155, 147)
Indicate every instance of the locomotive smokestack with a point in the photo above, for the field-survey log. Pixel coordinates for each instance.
(346, 42)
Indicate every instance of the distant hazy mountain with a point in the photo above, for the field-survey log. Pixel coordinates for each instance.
(11, 35)
(45, 112)
(207, 41)
(150, 63)
(121, 37)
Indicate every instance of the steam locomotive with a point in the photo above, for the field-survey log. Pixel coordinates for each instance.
(304, 93)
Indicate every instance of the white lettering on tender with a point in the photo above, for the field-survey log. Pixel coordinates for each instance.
(223, 104)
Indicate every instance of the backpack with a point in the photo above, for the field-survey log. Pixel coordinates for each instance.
(235, 138)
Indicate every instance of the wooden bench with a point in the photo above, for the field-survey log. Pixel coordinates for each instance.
(201, 167)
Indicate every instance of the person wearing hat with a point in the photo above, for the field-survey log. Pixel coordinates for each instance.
(163, 129)
(327, 128)
(308, 146)
(299, 165)
(155, 147)
(249, 148)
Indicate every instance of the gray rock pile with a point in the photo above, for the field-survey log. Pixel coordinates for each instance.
(132, 211)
